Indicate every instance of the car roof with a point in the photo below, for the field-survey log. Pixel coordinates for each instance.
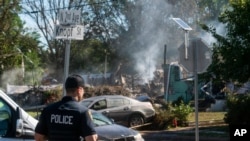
(96, 98)
(105, 96)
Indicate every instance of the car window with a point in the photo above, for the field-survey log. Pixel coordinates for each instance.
(126, 101)
(99, 105)
(86, 102)
(115, 102)
(100, 120)
(5, 118)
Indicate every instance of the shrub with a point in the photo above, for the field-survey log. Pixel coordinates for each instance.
(52, 95)
(181, 113)
(162, 120)
(163, 117)
(169, 112)
(238, 112)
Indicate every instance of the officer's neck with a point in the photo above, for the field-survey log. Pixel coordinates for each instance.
(75, 96)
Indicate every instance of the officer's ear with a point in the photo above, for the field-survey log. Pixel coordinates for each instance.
(80, 89)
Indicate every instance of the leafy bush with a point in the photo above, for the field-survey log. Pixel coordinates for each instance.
(169, 113)
(238, 112)
(52, 95)
(163, 118)
(181, 113)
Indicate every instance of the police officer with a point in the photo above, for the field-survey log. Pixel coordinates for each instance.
(67, 120)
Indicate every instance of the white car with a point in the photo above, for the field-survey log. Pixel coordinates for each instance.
(15, 123)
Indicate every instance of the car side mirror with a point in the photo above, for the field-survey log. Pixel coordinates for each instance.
(105, 113)
(112, 120)
(19, 123)
(19, 127)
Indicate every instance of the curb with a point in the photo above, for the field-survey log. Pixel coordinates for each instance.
(174, 134)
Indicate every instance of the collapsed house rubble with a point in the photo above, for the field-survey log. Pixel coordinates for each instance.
(122, 84)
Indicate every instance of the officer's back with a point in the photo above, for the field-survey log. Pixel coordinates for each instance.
(67, 120)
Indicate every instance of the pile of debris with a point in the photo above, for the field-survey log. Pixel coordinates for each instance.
(127, 85)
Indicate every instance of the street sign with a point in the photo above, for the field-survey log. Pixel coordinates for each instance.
(69, 32)
(67, 17)
(203, 56)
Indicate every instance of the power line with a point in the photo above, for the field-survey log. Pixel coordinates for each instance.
(77, 6)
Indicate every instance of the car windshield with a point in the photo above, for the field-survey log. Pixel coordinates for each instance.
(86, 102)
(100, 120)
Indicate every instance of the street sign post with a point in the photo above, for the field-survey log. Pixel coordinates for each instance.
(198, 59)
(69, 28)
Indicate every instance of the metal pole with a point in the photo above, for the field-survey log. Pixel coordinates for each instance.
(105, 65)
(196, 92)
(66, 62)
(168, 81)
(186, 44)
(23, 68)
(165, 73)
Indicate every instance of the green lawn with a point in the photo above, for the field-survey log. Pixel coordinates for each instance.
(34, 113)
(220, 130)
(207, 116)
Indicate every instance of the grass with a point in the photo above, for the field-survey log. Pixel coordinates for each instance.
(34, 113)
(207, 116)
(220, 131)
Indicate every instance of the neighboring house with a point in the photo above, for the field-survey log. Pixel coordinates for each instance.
(244, 89)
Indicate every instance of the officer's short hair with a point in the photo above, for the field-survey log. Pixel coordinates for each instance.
(74, 81)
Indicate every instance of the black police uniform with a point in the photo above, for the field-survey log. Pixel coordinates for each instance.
(65, 120)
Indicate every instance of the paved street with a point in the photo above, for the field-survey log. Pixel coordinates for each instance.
(178, 135)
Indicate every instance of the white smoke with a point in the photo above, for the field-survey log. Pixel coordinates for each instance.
(158, 26)
(152, 35)
(13, 76)
(208, 38)
(146, 61)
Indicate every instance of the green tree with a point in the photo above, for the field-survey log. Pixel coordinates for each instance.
(10, 29)
(29, 45)
(210, 10)
(230, 60)
(238, 112)
(89, 55)
(17, 46)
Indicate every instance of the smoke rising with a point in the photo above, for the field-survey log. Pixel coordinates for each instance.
(13, 76)
(154, 28)
(208, 38)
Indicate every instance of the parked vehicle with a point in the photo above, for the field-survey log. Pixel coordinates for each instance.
(144, 98)
(109, 131)
(15, 123)
(124, 110)
(18, 125)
